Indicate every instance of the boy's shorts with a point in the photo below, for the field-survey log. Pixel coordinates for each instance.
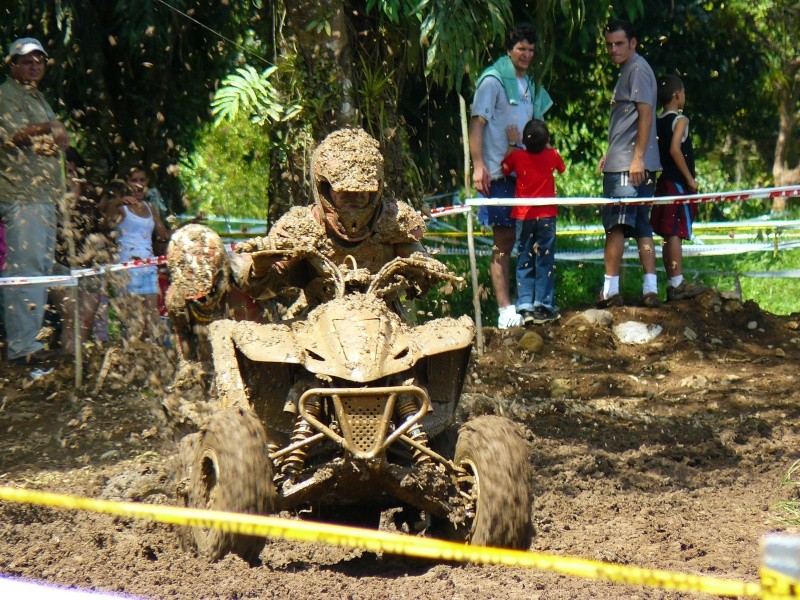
(672, 219)
(503, 187)
(634, 218)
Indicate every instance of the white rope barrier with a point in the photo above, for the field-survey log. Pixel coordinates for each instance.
(435, 213)
(630, 252)
(52, 280)
(75, 274)
(735, 196)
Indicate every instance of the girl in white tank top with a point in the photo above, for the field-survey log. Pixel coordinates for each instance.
(136, 222)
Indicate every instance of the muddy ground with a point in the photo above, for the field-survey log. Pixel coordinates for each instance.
(668, 455)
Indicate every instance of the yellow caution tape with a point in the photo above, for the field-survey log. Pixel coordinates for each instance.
(777, 586)
(392, 543)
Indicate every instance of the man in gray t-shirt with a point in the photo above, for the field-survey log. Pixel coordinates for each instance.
(629, 165)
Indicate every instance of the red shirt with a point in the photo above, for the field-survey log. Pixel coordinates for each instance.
(534, 180)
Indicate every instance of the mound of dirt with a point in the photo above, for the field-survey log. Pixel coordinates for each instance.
(667, 454)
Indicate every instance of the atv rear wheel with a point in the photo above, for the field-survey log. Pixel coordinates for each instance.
(231, 472)
(495, 455)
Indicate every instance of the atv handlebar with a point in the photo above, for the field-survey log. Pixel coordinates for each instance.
(415, 274)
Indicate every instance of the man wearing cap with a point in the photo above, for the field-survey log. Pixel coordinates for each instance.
(31, 183)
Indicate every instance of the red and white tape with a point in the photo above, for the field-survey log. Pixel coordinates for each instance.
(72, 279)
(735, 196)
(446, 211)
(760, 193)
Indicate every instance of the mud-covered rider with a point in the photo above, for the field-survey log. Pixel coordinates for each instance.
(350, 222)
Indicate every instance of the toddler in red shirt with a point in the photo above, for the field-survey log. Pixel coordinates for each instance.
(536, 225)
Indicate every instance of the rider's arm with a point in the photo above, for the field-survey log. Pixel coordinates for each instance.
(263, 280)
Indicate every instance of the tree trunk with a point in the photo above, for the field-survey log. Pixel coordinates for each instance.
(324, 53)
(787, 93)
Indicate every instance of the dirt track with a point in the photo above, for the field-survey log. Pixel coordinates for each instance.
(667, 455)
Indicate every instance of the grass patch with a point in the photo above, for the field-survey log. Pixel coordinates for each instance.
(790, 509)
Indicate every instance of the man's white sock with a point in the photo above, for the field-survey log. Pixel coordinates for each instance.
(610, 285)
(650, 285)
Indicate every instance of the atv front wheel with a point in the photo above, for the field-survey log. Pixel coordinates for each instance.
(231, 472)
(495, 456)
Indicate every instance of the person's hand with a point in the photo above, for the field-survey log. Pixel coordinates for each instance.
(513, 134)
(481, 179)
(60, 135)
(691, 183)
(602, 163)
(130, 200)
(637, 174)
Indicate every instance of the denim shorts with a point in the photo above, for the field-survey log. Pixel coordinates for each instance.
(634, 218)
(503, 187)
(143, 281)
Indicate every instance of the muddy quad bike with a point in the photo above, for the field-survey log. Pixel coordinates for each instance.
(352, 408)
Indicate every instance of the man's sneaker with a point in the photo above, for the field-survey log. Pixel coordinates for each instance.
(610, 302)
(508, 317)
(527, 316)
(542, 314)
(685, 290)
(650, 300)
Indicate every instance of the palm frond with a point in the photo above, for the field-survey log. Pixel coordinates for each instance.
(248, 90)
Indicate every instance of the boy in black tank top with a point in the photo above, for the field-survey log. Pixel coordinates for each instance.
(674, 221)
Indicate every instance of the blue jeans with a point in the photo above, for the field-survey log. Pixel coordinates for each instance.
(536, 246)
(31, 239)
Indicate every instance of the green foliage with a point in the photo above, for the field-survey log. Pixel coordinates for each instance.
(130, 78)
(456, 34)
(253, 92)
(374, 83)
(576, 21)
(394, 9)
(228, 174)
(721, 114)
(322, 21)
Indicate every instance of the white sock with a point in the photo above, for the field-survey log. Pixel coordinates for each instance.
(675, 281)
(650, 285)
(610, 285)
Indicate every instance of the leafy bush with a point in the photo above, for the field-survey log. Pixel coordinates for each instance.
(229, 172)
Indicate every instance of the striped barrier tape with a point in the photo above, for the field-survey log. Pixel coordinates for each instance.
(689, 250)
(54, 280)
(443, 211)
(630, 252)
(392, 543)
(596, 230)
(446, 211)
(71, 280)
(735, 196)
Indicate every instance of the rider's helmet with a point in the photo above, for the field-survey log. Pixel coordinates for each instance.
(348, 162)
(199, 267)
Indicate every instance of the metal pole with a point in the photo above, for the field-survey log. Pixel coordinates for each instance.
(473, 267)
